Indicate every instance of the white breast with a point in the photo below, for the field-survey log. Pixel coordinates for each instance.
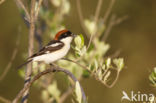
(51, 57)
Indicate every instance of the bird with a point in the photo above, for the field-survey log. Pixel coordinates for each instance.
(54, 50)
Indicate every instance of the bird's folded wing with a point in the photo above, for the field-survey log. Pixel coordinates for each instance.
(52, 46)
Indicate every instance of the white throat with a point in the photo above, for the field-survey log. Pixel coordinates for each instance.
(67, 40)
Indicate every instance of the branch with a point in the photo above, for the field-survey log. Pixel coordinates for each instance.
(67, 92)
(53, 69)
(98, 9)
(38, 8)
(109, 28)
(81, 18)
(21, 5)
(109, 10)
(96, 19)
(65, 95)
(114, 82)
(30, 50)
(12, 57)
(84, 67)
(1, 1)
(113, 21)
(95, 76)
(4, 100)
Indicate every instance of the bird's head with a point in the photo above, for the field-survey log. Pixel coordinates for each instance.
(65, 36)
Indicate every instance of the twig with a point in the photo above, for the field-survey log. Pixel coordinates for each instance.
(30, 50)
(1, 1)
(4, 100)
(12, 57)
(109, 27)
(53, 69)
(21, 5)
(65, 95)
(96, 19)
(38, 8)
(68, 92)
(81, 18)
(113, 21)
(84, 67)
(114, 82)
(109, 10)
(97, 12)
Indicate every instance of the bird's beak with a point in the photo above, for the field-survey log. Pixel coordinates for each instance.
(74, 35)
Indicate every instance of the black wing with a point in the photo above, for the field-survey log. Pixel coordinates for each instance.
(50, 47)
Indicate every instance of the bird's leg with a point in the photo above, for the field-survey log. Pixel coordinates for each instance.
(51, 64)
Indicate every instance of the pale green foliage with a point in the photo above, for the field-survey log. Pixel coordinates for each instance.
(102, 68)
(80, 49)
(79, 41)
(106, 77)
(78, 92)
(53, 90)
(108, 62)
(65, 7)
(119, 62)
(90, 25)
(51, 93)
(76, 70)
(152, 77)
(56, 3)
(101, 48)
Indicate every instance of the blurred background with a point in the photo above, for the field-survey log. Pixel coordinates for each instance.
(135, 38)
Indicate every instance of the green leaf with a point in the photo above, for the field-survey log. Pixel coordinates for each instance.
(45, 95)
(86, 73)
(152, 77)
(82, 40)
(54, 91)
(90, 25)
(79, 41)
(107, 76)
(96, 64)
(108, 62)
(119, 63)
(78, 92)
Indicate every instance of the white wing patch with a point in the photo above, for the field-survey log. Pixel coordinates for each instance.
(54, 45)
(47, 52)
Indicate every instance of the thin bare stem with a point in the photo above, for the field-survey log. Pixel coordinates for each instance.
(21, 5)
(109, 28)
(38, 9)
(12, 57)
(96, 19)
(65, 95)
(98, 9)
(114, 82)
(4, 100)
(1, 1)
(95, 76)
(84, 67)
(81, 18)
(53, 69)
(28, 71)
(113, 21)
(109, 10)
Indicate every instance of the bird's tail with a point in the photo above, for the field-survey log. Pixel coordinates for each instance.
(20, 66)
